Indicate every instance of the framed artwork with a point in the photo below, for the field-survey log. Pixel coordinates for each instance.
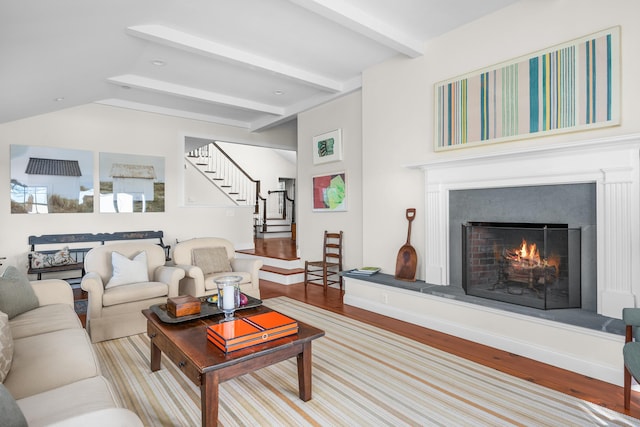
(330, 192)
(565, 88)
(50, 180)
(327, 147)
(131, 183)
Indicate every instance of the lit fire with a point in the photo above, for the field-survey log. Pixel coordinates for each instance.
(529, 253)
(529, 256)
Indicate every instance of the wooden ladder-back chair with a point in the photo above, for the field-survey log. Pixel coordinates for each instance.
(327, 271)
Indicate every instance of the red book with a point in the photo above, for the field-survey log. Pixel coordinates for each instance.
(251, 330)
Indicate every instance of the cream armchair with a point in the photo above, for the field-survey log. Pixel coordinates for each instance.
(122, 279)
(200, 253)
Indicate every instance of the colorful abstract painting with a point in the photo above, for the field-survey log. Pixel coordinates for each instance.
(330, 192)
(570, 87)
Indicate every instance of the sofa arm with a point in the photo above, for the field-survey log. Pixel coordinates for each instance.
(251, 266)
(53, 291)
(171, 276)
(92, 284)
(191, 271)
(193, 281)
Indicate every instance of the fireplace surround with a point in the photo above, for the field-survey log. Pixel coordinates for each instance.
(573, 205)
(610, 165)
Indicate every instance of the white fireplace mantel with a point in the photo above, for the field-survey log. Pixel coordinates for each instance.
(613, 164)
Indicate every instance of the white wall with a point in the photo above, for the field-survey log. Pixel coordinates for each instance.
(398, 101)
(101, 128)
(397, 120)
(344, 113)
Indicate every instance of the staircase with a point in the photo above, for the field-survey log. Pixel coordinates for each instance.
(225, 174)
(273, 215)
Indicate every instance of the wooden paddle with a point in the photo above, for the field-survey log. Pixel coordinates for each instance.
(407, 258)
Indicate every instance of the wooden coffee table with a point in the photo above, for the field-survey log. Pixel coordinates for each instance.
(187, 346)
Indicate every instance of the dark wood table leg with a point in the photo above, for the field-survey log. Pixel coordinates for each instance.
(155, 356)
(304, 372)
(209, 399)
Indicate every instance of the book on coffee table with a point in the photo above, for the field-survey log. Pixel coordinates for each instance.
(251, 330)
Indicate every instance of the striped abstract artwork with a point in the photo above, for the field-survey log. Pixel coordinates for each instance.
(571, 87)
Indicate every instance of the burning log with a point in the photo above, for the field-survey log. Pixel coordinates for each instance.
(524, 265)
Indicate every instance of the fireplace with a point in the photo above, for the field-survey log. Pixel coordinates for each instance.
(535, 265)
(610, 165)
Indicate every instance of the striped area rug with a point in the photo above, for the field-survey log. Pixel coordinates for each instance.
(362, 376)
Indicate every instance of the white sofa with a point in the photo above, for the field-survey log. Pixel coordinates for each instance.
(54, 374)
(197, 284)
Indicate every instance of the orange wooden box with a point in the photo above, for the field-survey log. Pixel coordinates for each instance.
(251, 330)
(183, 305)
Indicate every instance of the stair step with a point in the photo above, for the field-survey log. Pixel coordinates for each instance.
(225, 186)
(282, 271)
(233, 193)
(218, 179)
(209, 171)
(202, 164)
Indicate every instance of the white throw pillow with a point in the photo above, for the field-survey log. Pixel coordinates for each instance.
(6, 346)
(127, 271)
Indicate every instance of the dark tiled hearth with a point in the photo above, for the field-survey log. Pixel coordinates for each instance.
(570, 316)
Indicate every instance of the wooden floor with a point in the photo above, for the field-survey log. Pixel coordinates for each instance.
(580, 386)
(279, 248)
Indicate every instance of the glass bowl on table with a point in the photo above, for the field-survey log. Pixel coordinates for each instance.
(228, 295)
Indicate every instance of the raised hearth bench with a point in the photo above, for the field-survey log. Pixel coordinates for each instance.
(572, 339)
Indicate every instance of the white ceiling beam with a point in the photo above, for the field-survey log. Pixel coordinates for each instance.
(121, 103)
(357, 20)
(292, 111)
(135, 81)
(166, 36)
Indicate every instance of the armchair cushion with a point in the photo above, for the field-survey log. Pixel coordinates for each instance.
(127, 271)
(211, 260)
(134, 292)
(16, 294)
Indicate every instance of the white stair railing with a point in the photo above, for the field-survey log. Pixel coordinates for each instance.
(226, 174)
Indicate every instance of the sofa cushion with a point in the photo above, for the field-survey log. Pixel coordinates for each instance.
(103, 418)
(210, 285)
(127, 271)
(134, 292)
(44, 362)
(80, 397)
(10, 412)
(6, 346)
(211, 260)
(16, 293)
(47, 318)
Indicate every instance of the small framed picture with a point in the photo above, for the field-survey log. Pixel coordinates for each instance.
(330, 192)
(327, 147)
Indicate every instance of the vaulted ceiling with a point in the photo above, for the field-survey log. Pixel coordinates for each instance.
(246, 63)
